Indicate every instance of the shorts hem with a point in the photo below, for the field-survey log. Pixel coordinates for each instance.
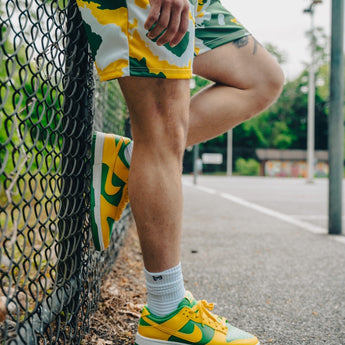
(109, 76)
(219, 41)
(138, 72)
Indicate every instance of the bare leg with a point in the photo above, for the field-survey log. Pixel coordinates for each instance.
(159, 118)
(247, 80)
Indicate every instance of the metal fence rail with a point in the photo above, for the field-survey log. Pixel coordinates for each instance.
(50, 274)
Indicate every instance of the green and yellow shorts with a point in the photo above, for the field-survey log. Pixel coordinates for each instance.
(120, 46)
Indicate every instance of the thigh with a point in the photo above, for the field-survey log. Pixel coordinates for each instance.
(243, 64)
(225, 50)
(159, 108)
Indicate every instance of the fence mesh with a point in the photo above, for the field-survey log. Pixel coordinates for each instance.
(50, 274)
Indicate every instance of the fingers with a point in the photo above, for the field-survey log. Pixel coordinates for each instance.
(153, 15)
(184, 23)
(169, 19)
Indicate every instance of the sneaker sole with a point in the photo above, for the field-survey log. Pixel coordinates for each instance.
(140, 340)
(97, 154)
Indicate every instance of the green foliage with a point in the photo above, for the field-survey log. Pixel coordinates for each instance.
(249, 167)
(30, 114)
(200, 83)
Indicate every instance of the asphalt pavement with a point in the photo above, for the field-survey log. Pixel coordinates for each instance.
(259, 249)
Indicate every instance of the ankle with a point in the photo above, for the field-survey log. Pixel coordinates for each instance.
(165, 290)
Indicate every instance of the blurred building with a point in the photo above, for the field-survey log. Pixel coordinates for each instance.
(291, 163)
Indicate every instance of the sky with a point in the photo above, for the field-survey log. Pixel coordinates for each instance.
(283, 24)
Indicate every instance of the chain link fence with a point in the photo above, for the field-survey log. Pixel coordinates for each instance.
(50, 104)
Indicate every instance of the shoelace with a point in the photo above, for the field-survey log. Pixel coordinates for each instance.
(203, 309)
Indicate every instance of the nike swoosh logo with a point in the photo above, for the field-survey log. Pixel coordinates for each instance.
(109, 188)
(194, 337)
(112, 193)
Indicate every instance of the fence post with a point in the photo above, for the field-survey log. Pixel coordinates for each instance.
(76, 134)
(336, 120)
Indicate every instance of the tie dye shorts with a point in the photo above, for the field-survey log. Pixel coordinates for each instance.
(120, 46)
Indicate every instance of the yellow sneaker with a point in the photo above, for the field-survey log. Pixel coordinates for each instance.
(191, 323)
(109, 189)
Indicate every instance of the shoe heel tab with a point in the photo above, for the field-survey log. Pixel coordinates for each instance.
(189, 296)
(144, 312)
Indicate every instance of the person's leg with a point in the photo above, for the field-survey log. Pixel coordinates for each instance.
(247, 81)
(159, 119)
(159, 111)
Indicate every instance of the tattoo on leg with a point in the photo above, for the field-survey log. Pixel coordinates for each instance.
(256, 44)
(241, 42)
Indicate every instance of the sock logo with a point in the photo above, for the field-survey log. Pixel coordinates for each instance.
(155, 278)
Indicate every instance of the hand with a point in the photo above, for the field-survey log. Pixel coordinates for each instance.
(169, 15)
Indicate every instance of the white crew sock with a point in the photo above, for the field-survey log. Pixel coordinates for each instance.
(165, 290)
(128, 152)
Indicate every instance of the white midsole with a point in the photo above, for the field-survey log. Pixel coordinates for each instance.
(97, 183)
(140, 340)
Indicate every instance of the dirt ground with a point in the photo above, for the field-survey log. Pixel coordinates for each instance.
(123, 295)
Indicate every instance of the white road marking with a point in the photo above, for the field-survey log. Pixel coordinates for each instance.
(281, 216)
(275, 214)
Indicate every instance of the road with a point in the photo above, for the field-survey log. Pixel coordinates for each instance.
(259, 248)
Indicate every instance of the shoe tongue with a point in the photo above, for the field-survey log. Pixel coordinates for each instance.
(188, 301)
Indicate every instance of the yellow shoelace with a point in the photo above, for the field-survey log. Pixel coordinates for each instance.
(202, 310)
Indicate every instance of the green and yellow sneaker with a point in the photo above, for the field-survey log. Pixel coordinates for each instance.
(109, 189)
(191, 323)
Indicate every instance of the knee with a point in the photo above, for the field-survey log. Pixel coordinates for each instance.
(171, 136)
(269, 86)
(163, 138)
